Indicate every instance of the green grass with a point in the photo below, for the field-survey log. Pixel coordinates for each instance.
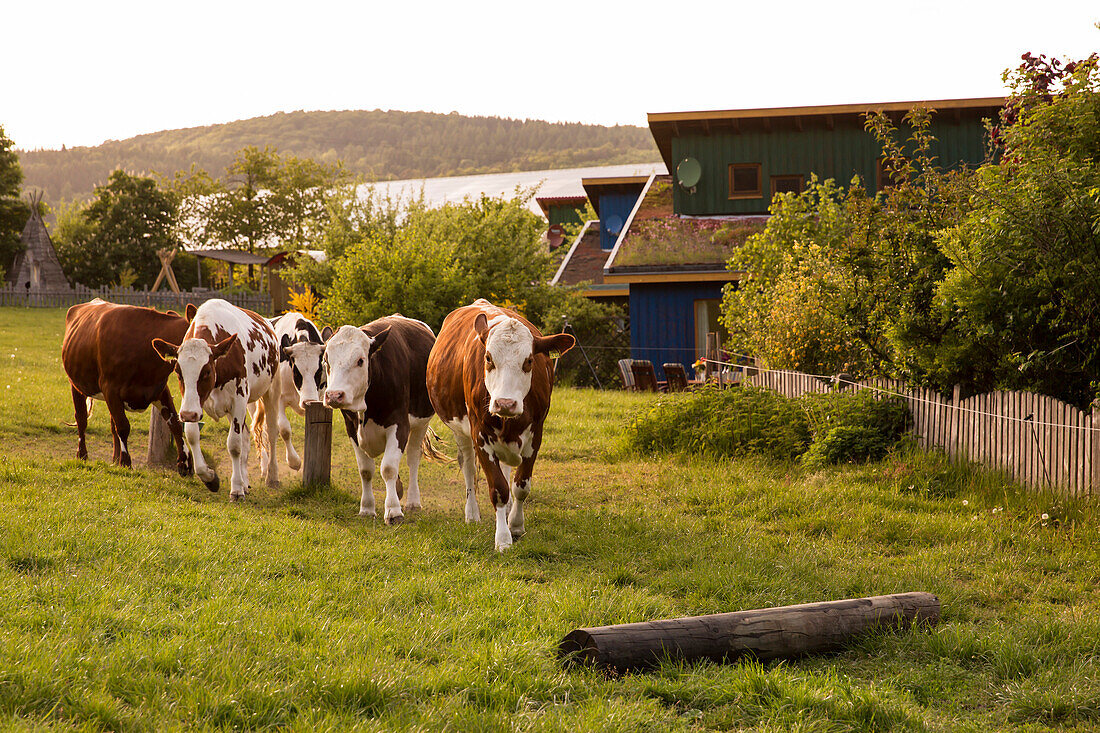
(136, 600)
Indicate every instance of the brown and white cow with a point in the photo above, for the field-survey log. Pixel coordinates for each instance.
(226, 359)
(376, 379)
(490, 377)
(108, 355)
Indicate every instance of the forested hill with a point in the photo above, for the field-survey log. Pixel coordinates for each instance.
(379, 144)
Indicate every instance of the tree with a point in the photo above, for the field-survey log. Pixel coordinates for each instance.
(13, 210)
(1025, 286)
(120, 230)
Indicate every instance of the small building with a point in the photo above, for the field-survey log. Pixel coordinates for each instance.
(37, 267)
(584, 264)
(674, 246)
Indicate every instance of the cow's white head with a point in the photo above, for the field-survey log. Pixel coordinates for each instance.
(510, 350)
(196, 365)
(347, 363)
(304, 356)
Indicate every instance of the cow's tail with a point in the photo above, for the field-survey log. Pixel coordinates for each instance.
(259, 428)
(430, 451)
(90, 406)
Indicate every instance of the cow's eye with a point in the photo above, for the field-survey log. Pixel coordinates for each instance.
(488, 361)
(360, 362)
(527, 363)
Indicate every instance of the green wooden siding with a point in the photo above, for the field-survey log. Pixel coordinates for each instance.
(563, 214)
(840, 153)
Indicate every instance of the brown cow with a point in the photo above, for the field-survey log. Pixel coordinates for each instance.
(490, 376)
(108, 355)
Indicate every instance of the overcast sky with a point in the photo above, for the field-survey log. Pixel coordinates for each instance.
(79, 73)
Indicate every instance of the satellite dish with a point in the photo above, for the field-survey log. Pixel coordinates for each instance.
(614, 224)
(689, 172)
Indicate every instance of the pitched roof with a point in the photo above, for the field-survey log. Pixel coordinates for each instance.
(38, 260)
(584, 263)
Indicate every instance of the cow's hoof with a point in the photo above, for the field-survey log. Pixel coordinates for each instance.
(501, 546)
(213, 484)
(273, 484)
(395, 519)
(294, 465)
(365, 514)
(413, 507)
(236, 497)
(516, 535)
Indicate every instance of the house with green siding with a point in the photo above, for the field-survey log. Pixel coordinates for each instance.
(724, 168)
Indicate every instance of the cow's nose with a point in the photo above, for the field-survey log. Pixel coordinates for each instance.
(334, 398)
(188, 416)
(506, 406)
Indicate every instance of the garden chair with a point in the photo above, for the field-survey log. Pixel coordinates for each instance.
(676, 376)
(645, 378)
(626, 374)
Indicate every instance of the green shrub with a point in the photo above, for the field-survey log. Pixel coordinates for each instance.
(823, 429)
(731, 422)
(850, 427)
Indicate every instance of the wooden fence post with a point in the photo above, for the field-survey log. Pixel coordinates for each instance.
(712, 353)
(317, 454)
(161, 451)
(1094, 442)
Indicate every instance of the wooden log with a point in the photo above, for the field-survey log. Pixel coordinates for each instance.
(162, 451)
(768, 633)
(317, 453)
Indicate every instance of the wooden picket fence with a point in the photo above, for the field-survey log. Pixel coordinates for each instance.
(1040, 441)
(13, 295)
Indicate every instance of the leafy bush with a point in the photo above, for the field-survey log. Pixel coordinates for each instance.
(852, 426)
(731, 422)
(822, 429)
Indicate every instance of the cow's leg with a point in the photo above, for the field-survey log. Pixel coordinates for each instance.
(391, 465)
(237, 444)
(414, 450)
(206, 474)
(521, 489)
(292, 458)
(507, 471)
(184, 464)
(120, 424)
(467, 461)
(499, 494)
(363, 461)
(80, 408)
(274, 409)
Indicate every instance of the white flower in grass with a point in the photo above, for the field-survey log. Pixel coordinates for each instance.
(1045, 516)
(966, 503)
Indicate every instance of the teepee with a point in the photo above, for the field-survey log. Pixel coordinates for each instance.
(36, 267)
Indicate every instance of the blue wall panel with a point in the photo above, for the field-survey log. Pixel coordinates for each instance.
(662, 320)
(614, 204)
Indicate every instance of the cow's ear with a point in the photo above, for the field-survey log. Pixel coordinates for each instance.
(481, 326)
(283, 343)
(165, 350)
(189, 312)
(219, 349)
(171, 312)
(326, 333)
(377, 341)
(555, 345)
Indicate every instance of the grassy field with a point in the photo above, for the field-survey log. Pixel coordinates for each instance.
(136, 600)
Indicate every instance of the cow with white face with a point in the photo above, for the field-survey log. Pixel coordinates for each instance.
(376, 379)
(490, 377)
(227, 359)
(301, 380)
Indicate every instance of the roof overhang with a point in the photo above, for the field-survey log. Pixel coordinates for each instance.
(595, 187)
(666, 125)
(672, 276)
(545, 202)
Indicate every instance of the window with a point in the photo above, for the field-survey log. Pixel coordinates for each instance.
(745, 181)
(787, 184)
(707, 313)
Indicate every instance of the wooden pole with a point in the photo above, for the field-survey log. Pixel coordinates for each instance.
(769, 633)
(317, 454)
(162, 452)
